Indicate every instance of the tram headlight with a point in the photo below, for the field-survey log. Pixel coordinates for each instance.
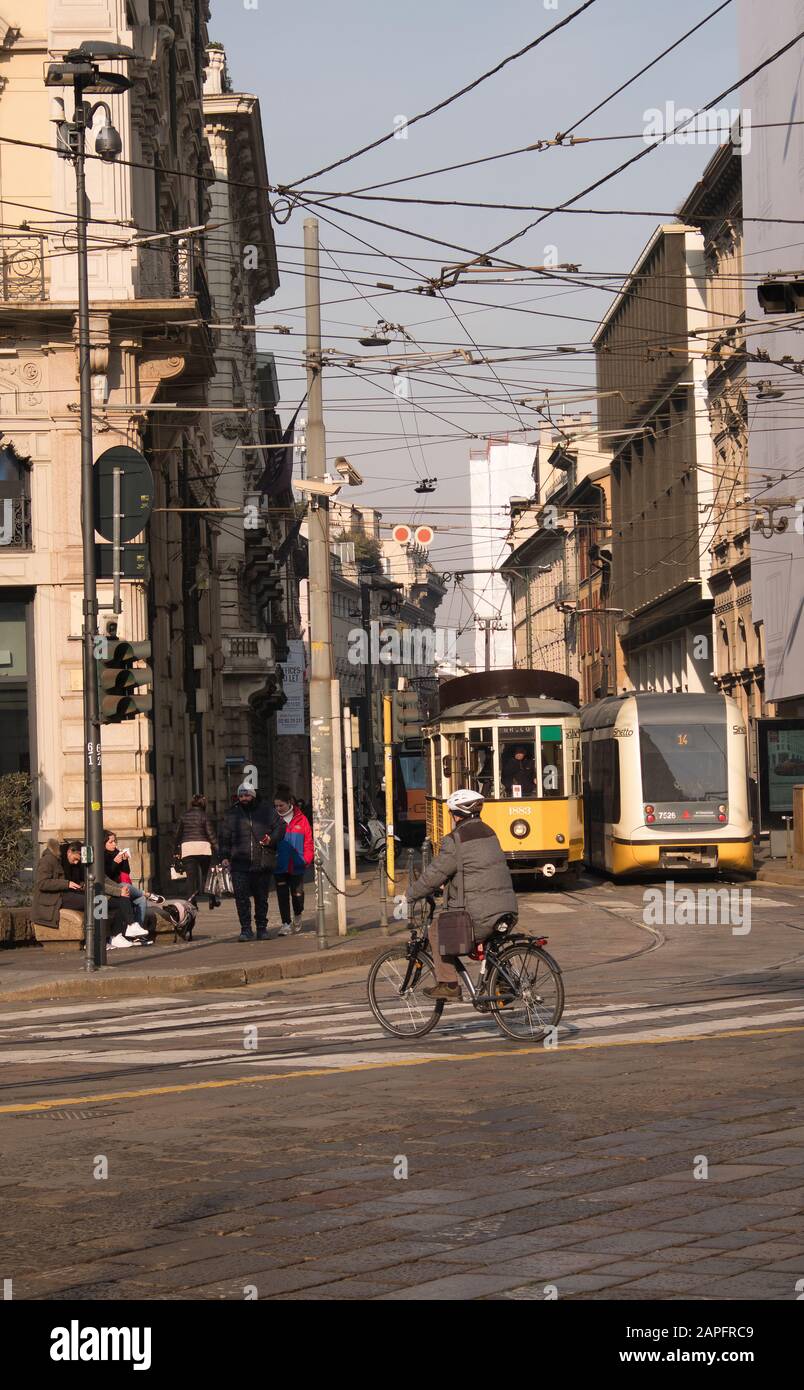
(520, 828)
(559, 839)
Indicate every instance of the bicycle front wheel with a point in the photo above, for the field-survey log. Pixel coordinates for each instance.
(526, 992)
(396, 995)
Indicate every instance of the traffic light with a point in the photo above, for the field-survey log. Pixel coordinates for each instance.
(406, 715)
(118, 678)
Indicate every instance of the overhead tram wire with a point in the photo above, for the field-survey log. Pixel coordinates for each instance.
(649, 149)
(448, 101)
(537, 146)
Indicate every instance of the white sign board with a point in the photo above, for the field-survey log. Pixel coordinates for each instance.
(290, 719)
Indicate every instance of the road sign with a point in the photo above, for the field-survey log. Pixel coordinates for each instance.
(136, 492)
(402, 534)
(424, 536)
(133, 561)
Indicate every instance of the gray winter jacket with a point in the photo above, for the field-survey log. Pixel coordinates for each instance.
(488, 890)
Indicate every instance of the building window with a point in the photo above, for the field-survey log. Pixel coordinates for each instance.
(15, 750)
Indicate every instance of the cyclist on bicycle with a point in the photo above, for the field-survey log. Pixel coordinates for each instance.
(488, 890)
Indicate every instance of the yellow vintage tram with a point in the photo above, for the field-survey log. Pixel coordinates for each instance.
(514, 736)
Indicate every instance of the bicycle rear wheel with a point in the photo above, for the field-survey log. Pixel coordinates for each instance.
(526, 992)
(396, 993)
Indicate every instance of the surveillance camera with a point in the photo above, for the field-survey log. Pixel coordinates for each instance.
(108, 144)
(347, 471)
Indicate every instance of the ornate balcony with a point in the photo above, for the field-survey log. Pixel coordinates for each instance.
(15, 523)
(22, 266)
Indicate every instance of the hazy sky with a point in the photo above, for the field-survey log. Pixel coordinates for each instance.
(332, 77)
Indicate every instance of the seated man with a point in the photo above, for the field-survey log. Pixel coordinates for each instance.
(486, 889)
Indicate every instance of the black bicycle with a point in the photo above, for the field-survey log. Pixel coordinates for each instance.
(519, 984)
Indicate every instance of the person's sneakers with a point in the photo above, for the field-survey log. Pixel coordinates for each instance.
(285, 929)
(246, 935)
(135, 930)
(450, 993)
(298, 923)
(262, 933)
(118, 942)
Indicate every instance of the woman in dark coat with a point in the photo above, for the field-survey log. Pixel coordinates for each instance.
(196, 844)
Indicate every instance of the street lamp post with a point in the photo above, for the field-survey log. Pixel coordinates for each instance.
(79, 71)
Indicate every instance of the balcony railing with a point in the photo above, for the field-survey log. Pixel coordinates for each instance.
(15, 523)
(22, 265)
(188, 274)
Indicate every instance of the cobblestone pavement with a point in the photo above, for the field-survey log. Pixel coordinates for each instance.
(271, 1142)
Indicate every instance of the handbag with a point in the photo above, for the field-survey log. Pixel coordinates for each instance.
(177, 869)
(456, 930)
(219, 882)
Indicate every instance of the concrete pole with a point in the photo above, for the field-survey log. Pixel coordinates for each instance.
(321, 741)
(350, 791)
(337, 775)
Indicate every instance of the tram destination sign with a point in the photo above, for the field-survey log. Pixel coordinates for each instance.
(516, 731)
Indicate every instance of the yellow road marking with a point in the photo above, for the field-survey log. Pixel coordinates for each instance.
(109, 1096)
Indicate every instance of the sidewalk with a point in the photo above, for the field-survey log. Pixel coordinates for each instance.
(214, 959)
(776, 871)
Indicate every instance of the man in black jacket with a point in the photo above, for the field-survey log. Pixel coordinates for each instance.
(250, 832)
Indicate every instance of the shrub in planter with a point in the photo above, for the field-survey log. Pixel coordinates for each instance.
(15, 817)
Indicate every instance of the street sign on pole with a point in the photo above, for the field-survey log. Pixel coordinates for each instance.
(136, 492)
(133, 561)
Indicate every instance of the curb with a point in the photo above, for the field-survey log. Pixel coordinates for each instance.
(116, 985)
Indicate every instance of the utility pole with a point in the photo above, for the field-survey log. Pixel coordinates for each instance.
(80, 71)
(94, 933)
(321, 672)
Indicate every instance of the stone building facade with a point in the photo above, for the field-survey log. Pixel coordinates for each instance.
(154, 355)
(715, 205)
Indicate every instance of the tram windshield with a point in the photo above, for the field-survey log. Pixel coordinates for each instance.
(683, 762)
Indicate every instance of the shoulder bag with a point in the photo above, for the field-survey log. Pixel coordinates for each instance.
(456, 930)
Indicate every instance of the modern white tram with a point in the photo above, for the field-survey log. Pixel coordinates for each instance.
(666, 784)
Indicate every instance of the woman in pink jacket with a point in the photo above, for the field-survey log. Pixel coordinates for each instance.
(294, 854)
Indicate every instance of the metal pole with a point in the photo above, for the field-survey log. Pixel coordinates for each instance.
(383, 893)
(350, 792)
(368, 688)
(93, 785)
(117, 559)
(337, 766)
(487, 643)
(387, 717)
(320, 915)
(320, 591)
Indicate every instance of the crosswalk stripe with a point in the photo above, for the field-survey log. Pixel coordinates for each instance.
(592, 1027)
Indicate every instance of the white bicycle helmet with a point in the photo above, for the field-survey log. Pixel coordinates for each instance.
(465, 803)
